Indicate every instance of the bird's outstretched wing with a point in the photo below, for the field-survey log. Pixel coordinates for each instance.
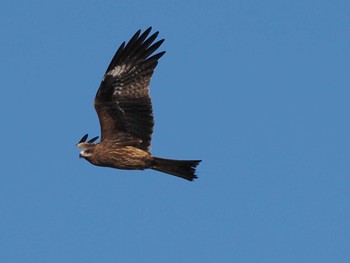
(122, 102)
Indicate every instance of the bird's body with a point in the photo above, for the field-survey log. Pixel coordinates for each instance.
(120, 157)
(125, 112)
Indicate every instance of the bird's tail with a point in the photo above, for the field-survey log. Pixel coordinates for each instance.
(182, 168)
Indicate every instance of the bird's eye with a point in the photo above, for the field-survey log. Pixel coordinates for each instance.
(88, 151)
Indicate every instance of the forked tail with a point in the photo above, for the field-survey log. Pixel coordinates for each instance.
(182, 168)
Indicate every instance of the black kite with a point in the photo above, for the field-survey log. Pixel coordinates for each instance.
(124, 108)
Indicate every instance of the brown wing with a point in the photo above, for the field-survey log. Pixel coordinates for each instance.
(122, 102)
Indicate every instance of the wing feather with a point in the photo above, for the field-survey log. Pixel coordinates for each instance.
(122, 102)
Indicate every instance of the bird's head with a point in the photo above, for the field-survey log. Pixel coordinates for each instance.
(86, 146)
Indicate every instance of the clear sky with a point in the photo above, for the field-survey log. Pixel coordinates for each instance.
(257, 89)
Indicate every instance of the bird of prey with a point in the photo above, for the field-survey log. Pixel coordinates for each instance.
(124, 109)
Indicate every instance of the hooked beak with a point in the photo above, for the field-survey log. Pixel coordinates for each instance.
(80, 156)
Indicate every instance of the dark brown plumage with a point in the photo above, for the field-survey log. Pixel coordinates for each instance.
(124, 108)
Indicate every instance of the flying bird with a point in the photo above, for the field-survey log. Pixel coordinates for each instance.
(124, 109)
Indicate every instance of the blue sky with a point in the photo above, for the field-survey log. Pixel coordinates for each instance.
(257, 89)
